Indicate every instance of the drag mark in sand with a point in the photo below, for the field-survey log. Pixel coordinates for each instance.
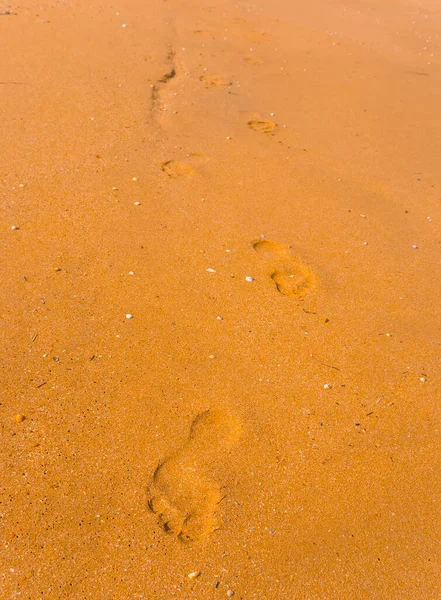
(291, 276)
(158, 101)
(182, 494)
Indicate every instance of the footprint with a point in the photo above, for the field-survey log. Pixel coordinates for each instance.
(251, 60)
(204, 33)
(182, 493)
(262, 125)
(291, 276)
(175, 168)
(214, 81)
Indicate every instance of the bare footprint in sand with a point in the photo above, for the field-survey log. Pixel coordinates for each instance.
(182, 493)
(251, 60)
(261, 125)
(175, 168)
(214, 81)
(291, 276)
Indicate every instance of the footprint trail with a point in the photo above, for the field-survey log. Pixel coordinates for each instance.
(182, 494)
(291, 276)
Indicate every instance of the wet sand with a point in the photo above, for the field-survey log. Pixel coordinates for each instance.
(258, 187)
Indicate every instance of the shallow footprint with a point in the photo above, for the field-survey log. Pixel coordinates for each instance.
(214, 81)
(291, 276)
(251, 60)
(182, 494)
(175, 168)
(261, 125)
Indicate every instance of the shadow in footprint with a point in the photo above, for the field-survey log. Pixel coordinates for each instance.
(290, 275)
(182, 494)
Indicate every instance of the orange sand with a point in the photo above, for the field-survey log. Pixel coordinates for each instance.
(276, 437)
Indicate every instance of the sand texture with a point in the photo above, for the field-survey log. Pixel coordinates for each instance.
(220, 232)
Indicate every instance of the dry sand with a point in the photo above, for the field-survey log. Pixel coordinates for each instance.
(278, 436)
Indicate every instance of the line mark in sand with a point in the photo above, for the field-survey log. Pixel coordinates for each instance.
(263, 126)
(291, 276)
(175, 168)
(170, 74)
(160, 99)
(182, 494)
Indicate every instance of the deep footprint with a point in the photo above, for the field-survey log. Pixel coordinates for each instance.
(290, 275)
(182, 494)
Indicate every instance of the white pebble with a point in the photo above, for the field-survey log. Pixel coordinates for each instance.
(228, 251)
(423, 379)
(415, 247)
(211, 270)
(129, 316)
(327, 386)
(211, 356)
(249, 278)
(137, 203)
(124, 25)
(131, 273)
(230, 593)
(134, 179)
(219, 318)
(15, 227)
(193, 574)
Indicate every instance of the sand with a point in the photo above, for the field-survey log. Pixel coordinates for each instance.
(258, 186)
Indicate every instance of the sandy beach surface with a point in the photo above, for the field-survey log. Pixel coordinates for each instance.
(220, 233)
